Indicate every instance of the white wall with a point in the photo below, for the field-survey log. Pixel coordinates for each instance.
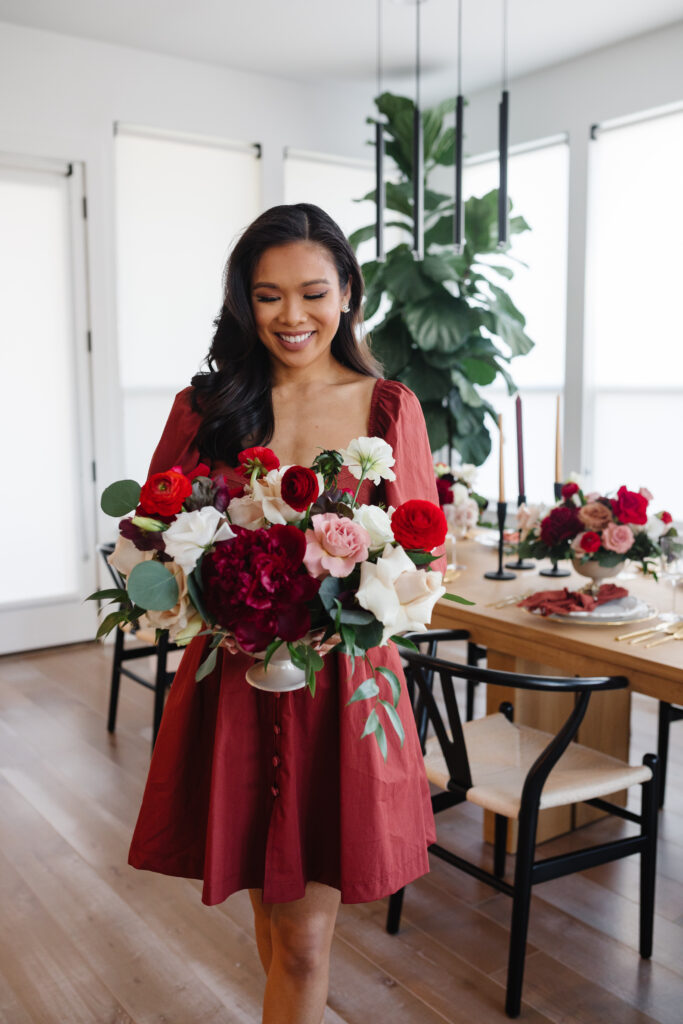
(61, 97)
(617, 81)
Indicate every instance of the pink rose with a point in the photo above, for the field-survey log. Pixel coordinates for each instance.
(618, 538)
(335, 545)
(648, 495)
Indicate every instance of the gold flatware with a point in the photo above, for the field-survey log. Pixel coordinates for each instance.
(676, 634)
(513, 599)
(642, 632)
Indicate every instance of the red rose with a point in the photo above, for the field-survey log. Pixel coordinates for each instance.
(258, 587)
(164, 493)
(629, 507)
(299, 487)
(419, 524)
(569, 490)
(666, 518)
(445, 491)
(259, 460)
(590, 542)
(561, 524)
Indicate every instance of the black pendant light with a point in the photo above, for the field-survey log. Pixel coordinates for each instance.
(380, 195)
(418, 150)
(459, 212)
(503, 140)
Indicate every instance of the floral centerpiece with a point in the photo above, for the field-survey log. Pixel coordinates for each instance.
(280, 565)
(596, 531)
(460, 502)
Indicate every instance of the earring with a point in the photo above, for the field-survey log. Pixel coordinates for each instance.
(346, 308)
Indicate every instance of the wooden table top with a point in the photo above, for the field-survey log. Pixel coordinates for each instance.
(568, 647)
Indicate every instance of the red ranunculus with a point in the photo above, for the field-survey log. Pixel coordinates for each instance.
(569, 490)
(260, 459)
(257, 585)
(419, 524)
(445, 490)
(299, 487)
(164, 493)
(590, 542)
(629, 507)
(561, 524)
(666, 518)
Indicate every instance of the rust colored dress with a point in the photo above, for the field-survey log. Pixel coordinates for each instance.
(251, 790)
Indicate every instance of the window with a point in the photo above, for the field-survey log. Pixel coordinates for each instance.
(538, 186)
(634, 341)
(180, 204)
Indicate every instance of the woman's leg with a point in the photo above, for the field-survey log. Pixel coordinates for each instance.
(300, 940)
(262, 927)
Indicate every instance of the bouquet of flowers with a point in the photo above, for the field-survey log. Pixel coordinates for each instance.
(594, 528)
(284, 556)
(457, 497)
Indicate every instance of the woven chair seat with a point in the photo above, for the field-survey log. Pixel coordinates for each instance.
(501, 753)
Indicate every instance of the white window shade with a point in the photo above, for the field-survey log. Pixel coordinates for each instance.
(180, 205)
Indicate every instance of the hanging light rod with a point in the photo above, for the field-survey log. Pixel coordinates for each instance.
(418, 140)
(503, 140)
(459, 210)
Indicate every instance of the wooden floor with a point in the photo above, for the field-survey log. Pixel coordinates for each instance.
(85, 939)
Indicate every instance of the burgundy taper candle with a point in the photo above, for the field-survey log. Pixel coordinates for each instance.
(520, 446)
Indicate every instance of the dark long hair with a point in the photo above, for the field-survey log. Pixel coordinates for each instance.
(234, 394)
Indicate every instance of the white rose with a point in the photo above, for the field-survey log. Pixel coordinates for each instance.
(466, 515)
(460, 494)
(267, 492)
(126, 556)
(370, 457)
(191, 532)
(467, 473)
(654, 528)
(399, 595)
(377, 522)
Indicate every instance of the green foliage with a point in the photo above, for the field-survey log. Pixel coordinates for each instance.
(120, 498)
(451, 327)
(152, 586)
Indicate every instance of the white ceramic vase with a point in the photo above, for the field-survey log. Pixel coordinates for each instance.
(280, 676)
(595, 572)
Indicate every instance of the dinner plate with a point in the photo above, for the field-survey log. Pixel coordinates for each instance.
(489, 538)
(611, 613)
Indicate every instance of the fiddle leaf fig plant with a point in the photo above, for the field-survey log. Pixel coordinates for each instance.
(449, 326)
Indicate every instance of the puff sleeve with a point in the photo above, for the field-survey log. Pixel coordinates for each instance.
(178, 446)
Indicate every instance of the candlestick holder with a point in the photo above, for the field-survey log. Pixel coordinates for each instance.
(557, 487)
(501, 574)
(555, 573)
(520, 563)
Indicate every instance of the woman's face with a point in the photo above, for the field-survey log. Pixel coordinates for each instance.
(297, 302)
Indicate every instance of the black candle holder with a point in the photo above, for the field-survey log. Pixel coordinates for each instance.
(520, 563)
(557, 487)
(501, 574)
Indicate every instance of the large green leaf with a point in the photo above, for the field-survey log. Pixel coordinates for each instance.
(403, 277)
(444, 150)
(152, 586)
(436, 418)
(430, 384)
(479, 371)
(439, 322)
(481, 222)
(120, 498)
(391, 345)
(432, 123)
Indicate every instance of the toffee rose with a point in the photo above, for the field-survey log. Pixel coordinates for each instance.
(335, 545)
(618, 538)
(595, 516)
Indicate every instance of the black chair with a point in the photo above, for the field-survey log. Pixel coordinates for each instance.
(162, 676)
(515, 771)
(668, 713)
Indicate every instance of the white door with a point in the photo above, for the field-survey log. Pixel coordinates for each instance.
(47, 508)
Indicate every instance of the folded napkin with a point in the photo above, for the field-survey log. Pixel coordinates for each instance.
(561, 602)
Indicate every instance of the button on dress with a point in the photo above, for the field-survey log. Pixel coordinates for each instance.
(248, 789)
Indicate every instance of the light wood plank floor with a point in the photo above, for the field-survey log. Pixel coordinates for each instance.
(87, 940)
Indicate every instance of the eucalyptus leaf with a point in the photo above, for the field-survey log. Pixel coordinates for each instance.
(152, 586)
(110, 622)
(381, 738)
(120, 498)
(371, 723)
(367, 689)
(456, 598)
(207, 666)
(113, 592)
(394, 718)
(394, 682)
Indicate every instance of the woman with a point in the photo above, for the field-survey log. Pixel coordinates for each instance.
(278, 794)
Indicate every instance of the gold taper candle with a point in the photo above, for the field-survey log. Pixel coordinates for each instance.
(558, 446)
(501, 470)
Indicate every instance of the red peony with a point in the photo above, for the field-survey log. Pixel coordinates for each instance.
(445, 491)
(590, 542)
(257, 585)
(629, 507)
(419, 524)
(666, 518)
(260, 459)
(561, 524)
(299, 487)
(569, 490)
(164, 493)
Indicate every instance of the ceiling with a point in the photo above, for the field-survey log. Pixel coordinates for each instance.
(310, 40)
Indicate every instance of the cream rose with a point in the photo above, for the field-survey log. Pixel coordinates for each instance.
(460, 494)
(246, 512)
(191, 532)
(377, 522)
(126, 556)
(399, 595)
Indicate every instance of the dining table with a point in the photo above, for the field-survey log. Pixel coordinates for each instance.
(517, 640)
